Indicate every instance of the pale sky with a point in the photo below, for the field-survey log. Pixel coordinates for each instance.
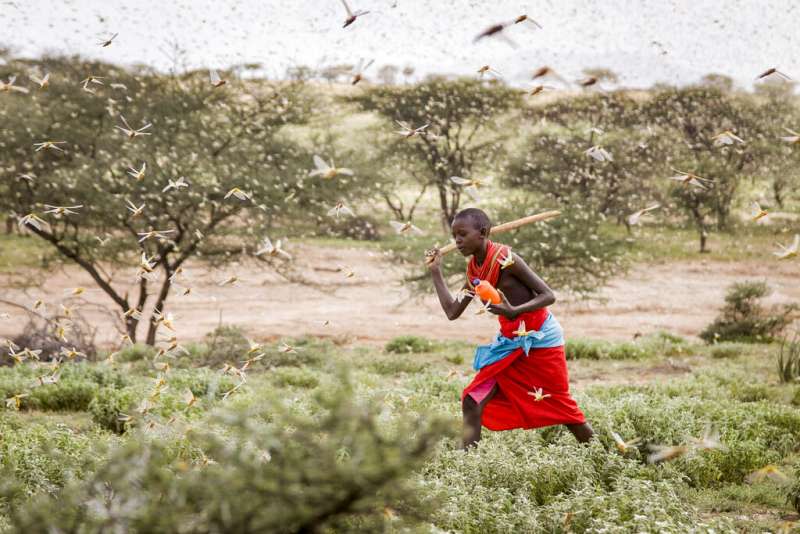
(739, 38)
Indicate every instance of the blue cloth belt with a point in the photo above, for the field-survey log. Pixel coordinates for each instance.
(550, 335)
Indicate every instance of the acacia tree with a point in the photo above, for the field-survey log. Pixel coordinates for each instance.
(554, 161)
(215, 138)
(572, 252)
(778, 108)
(687, 121)
(552, 170)
(463, 137)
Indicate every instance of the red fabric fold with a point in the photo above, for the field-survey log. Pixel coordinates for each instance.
(489, 270)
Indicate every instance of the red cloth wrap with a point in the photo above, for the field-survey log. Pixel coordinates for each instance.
(489, 270)
(517, 375)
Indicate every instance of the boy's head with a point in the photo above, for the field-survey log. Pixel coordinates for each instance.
(470, 229)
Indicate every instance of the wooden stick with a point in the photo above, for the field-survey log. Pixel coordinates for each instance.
(511, 225)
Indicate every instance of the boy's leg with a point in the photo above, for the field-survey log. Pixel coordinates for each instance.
(583, 432)
(472, 412)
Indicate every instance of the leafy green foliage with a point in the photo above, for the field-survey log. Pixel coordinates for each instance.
(789, 359)
(76, 387)
(272, 470)
(109, 407)
(743, 318)
(135, 353)
(396, 365)
(249, 453)
(793, 495)
(43, 457)
(755, 433)
(584, 349)
(724, 350)
(409, 344)
(553, 164)
(216, 139)
(296, 377)
(462, 139)
(648, 138)
(518, 484)
(648, 347)
(224, 344)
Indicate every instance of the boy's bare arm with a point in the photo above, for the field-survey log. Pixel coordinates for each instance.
(543, 295)
(452, 308)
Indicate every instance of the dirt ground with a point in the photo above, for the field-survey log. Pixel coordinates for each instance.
(372, 306)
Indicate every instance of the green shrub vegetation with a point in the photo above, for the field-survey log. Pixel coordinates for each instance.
(642, 348)
(270, 470)
(303, 444)
(409, 344)
(789, 359)
(743, 318)
(726, 350)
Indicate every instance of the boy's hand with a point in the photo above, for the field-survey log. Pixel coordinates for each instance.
(505, 308)
(433, 259)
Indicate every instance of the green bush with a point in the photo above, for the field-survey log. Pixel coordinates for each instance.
(308, 353)
(396, 365)
(334, 471)
(515, 483)
(789, 359)
(793, 495)
(744, 319)
(76, 387)
(667, 344)
(109, 404)
(755, 432)
(455, 359)
(64, 395)
(101, 375)
(204, 383)
(225, 344)
(586, 349)
(42, 457)
(135, 353)
(409, 345)
(724, 351)
(297, 377)
(670, 338)
(745, 392)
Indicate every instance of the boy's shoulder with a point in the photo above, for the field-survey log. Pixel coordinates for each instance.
(508, 250)
(510, 258)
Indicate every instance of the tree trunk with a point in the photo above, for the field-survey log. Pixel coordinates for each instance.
(130, 328)
(152, 327)
(699, 220)
(442, 187)
(777, 193)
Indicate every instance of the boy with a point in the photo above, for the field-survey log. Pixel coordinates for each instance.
(522, 379)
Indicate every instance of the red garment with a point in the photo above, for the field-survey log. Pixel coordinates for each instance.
(517, 375)
(490, 268)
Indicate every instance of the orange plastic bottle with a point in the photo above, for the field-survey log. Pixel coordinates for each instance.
(485, 291)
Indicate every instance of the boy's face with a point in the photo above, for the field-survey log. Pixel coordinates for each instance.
(468, 238)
